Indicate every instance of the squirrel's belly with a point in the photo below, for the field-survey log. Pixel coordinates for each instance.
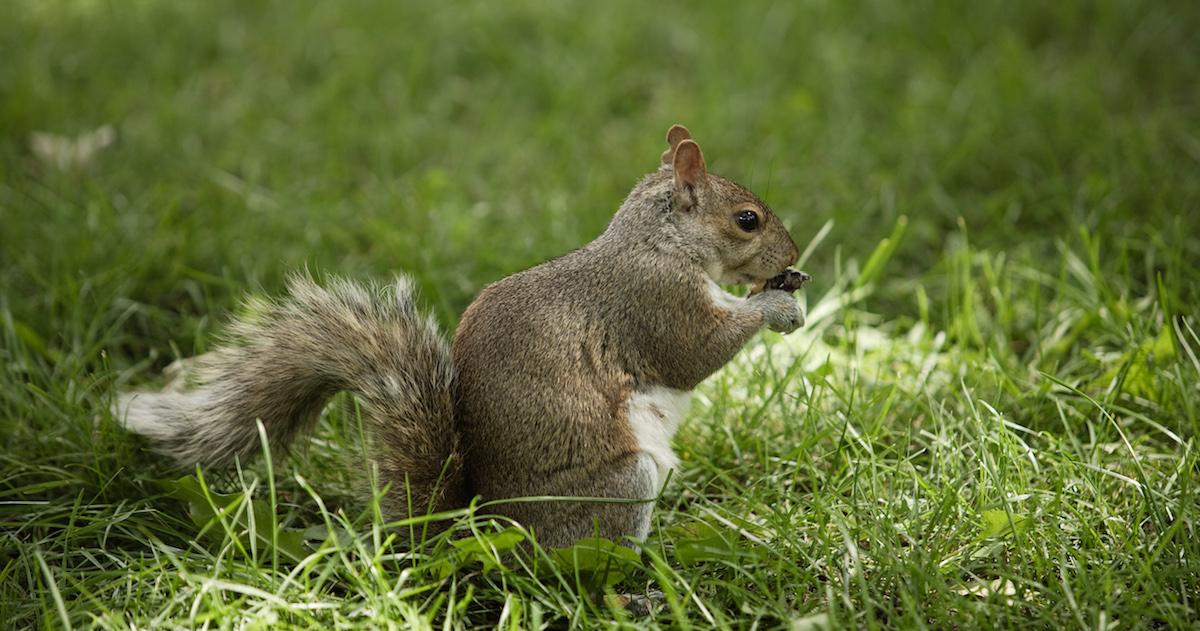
(654, 414)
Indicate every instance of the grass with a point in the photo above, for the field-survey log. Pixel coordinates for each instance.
(990, 420)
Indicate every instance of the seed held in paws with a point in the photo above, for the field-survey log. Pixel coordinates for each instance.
(790, 280)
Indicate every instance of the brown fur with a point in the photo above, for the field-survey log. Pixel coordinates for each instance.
(547, 362)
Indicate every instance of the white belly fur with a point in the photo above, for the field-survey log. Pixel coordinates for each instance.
(723, 299)
(655, 414)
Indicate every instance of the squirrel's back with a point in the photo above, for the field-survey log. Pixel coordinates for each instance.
(539, 393)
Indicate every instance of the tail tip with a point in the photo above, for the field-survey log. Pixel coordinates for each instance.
(135, 412)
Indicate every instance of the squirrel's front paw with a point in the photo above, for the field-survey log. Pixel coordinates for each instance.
(780, 310)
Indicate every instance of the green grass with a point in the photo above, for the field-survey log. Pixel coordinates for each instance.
(991, 419)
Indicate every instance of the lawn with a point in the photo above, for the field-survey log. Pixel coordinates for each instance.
(990, 420)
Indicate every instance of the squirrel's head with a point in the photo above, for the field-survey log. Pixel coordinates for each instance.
(737, 238)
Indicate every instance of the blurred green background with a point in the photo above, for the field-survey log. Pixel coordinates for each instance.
(461, 142)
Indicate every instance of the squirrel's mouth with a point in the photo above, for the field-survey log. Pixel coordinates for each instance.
(790, 281)
(752, 279)
(748, 277)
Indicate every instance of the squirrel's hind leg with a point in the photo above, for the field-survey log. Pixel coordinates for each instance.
(630, 480)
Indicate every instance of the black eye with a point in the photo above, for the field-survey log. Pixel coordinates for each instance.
(747, 220)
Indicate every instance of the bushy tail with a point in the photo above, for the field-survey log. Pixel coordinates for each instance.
(283, 361)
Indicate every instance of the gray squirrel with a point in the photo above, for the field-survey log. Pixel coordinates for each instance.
(566, 379)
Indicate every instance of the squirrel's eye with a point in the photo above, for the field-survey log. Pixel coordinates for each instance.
(747, 220)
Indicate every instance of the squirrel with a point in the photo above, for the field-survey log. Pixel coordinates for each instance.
(566, 379)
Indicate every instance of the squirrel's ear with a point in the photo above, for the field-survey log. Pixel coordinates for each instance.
(675, 135)
(688, 164)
